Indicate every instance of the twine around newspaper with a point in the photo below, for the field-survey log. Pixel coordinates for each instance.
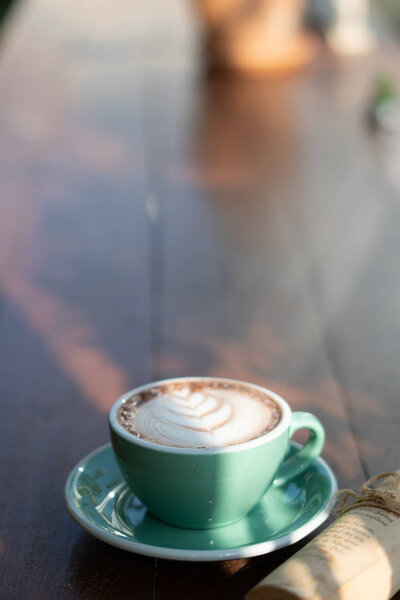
(386, 498)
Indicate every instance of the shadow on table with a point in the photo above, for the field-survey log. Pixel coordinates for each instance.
(228, 580)
(97, 570)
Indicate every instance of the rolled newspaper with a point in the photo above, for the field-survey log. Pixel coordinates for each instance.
(355, 558)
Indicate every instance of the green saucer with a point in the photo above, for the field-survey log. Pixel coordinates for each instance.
(99, 500)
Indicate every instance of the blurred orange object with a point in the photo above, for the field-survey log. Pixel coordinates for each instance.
(256, 36)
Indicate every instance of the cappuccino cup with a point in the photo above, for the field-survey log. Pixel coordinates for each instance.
(200, 452)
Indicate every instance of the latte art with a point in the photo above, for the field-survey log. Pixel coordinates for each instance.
(212, 416)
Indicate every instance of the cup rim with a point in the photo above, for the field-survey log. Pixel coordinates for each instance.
(283, 424)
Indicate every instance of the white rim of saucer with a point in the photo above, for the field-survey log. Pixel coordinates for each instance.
(197, 555)
(283, 424)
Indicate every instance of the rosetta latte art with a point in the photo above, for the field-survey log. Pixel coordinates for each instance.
(207, 418)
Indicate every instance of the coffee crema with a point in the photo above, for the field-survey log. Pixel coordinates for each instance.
(199, 414)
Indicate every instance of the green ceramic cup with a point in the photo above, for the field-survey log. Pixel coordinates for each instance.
(201, 488)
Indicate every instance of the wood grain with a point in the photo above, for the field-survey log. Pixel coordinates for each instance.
(157, 222)
(75, 321)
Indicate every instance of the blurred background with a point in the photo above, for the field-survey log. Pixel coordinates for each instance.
(205, 187)
(191, 187)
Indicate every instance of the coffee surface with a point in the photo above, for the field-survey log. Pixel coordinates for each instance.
(193, 414)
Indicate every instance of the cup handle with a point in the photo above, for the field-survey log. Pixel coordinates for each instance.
(304, 456)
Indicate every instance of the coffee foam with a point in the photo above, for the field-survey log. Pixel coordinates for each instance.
(194, 415)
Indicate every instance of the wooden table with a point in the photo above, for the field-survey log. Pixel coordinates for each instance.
(155, 222)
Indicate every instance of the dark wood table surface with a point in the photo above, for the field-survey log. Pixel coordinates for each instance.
(158, 222)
